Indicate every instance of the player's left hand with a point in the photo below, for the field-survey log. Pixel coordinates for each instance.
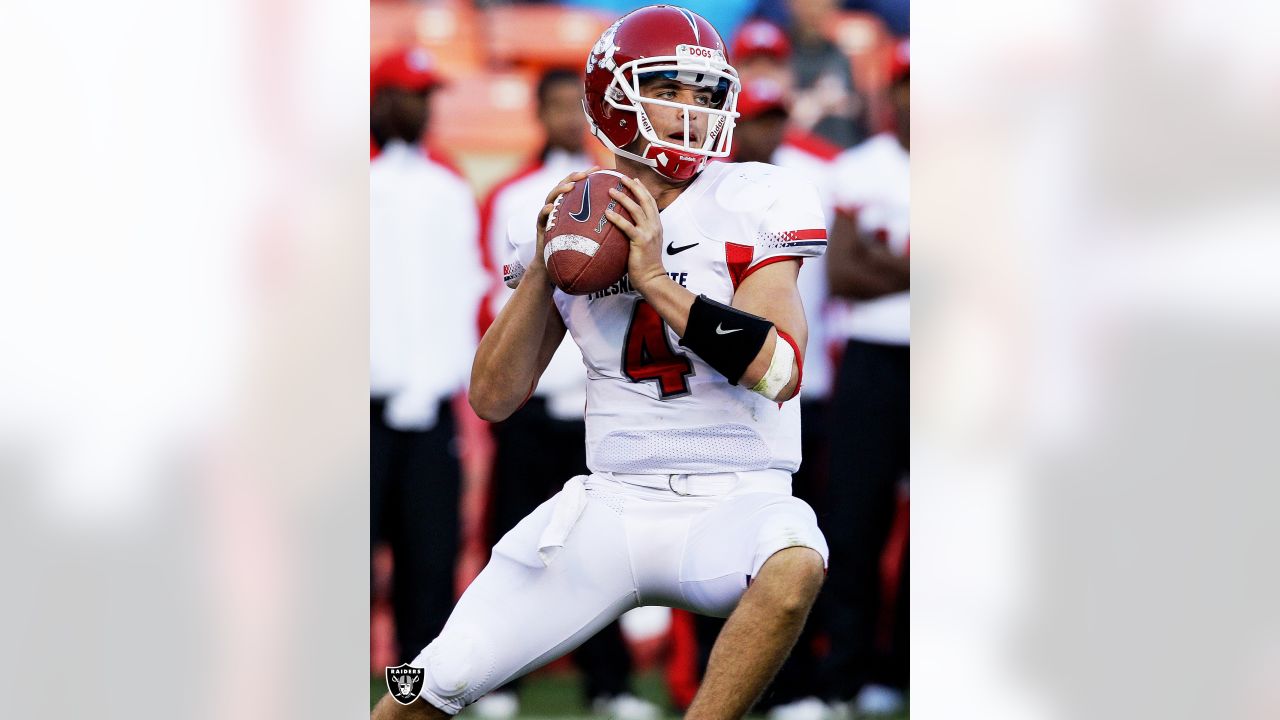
(644, 263)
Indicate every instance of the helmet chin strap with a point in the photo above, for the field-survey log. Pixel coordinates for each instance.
(677, 165)
(673, 164)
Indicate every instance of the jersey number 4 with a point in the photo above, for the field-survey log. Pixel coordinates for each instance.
(647, 355)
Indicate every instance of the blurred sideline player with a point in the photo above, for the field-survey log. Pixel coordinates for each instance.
(761, 136)
(541, 444)
(762, 52)
(869, 266)
(692, 360)
(826, 99)
(423, 256)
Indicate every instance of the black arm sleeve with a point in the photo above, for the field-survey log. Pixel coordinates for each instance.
(725, 338)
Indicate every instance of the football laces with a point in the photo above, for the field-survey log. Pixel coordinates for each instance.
(555, 206)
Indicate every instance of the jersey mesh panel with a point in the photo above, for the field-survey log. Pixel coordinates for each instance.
(712, 448)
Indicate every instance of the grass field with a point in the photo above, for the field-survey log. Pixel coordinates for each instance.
(558, 696)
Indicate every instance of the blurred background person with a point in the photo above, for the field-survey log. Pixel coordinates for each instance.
(763, 54)
(423, 259)
(868, 267)
(543, 442)
(826, 100)
(762, 51)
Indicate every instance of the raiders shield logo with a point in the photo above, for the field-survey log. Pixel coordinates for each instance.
(404, 682)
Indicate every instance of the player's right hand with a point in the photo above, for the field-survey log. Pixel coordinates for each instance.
(563, 187)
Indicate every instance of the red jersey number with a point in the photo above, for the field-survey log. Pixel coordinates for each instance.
(647, 355)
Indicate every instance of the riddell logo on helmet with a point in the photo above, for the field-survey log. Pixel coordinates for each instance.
(699, 52)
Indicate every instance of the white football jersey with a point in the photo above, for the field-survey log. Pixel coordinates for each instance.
(654, 406)
(874, 179)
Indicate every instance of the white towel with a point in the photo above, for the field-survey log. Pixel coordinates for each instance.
(569, 507)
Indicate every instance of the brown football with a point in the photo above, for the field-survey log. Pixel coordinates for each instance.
(585, 252)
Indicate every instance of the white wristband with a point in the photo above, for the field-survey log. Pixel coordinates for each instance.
(779, 374)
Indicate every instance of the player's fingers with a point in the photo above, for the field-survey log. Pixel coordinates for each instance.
(642, 194)
(640, 210)
(579, 174)
(625, 200)
(574, 177)
(563, 187)
(568, 182)
(623, 224)
(559, 190)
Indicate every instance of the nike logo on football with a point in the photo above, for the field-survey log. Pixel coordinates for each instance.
(584, 212)
(673, 250)
(721, 331)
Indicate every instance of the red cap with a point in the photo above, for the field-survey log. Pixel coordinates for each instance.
(761, 37)
(760, 95)
(410, 68)
(900, 60)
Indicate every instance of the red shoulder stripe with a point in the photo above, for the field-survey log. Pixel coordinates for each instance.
(813, 234)
(770, 261)
(737, 257)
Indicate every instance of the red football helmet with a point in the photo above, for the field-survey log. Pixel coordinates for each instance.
(665, 41)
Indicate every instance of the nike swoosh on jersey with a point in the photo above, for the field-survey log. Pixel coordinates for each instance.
(673, 250)
(584, 212)
(721, 331)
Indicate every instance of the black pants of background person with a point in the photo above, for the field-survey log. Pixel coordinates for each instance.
(798, 676)
(414, 479)
(870, 455)
(536, 455)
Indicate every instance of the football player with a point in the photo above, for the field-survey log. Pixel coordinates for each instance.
(693, 361)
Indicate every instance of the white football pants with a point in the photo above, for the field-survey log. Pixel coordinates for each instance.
(604, 545)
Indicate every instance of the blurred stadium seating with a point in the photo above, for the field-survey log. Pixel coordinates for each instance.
(450, 29)
(542, 36)
(484, 118)
(471, 108)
